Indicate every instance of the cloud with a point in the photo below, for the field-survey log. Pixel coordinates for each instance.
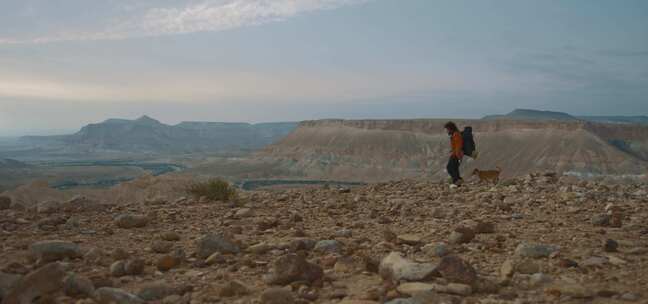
(192, 17)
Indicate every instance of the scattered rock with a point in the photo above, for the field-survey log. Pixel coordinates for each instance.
(601, 220)
(48, 207)
(395, 268)
(211, 243)
(50, 251)
(328, 246)
(170, 236)
(535, 250)
(75, 286)
(43, 281)
(129, 221)
(456, 270)
(233, 289)
(610, 246)
(7, 282)
(162, 246)
(5, 202)
(168, 262)
(484, 228)
(291, 268)
(156, 291)
(277, 296)
(107, 295)
(461, 235)
(410, 239)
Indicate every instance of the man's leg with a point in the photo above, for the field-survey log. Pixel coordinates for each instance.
(453, 169)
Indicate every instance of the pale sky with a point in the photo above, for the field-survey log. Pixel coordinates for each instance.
(67, 63)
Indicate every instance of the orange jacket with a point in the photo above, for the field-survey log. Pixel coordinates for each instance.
(457, 145)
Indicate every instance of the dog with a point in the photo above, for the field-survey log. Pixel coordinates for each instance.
(485, 176)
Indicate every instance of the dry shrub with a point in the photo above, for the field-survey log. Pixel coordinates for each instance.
(214, 189)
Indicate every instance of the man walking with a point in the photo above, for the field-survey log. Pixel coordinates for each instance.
(456, 155)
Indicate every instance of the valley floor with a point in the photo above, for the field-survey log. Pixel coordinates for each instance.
(537, 239)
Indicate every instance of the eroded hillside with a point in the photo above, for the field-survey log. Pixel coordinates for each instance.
(378, 150)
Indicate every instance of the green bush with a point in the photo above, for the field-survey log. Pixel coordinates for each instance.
(214, 189)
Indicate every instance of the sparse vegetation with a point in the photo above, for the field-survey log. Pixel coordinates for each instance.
(215, 189)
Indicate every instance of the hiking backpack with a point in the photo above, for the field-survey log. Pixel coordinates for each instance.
(469, 146)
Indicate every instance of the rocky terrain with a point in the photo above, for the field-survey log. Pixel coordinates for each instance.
(542, 238)
(383, 150)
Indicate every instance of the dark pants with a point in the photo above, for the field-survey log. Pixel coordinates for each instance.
(453, 169)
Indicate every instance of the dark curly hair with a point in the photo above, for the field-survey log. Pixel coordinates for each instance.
(451, 126)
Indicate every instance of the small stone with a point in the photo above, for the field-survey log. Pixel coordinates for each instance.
(118, 269)
(328, 246)
(439, 250)
(292, 268)
(233, 289)
(409, 239)
(244, 212)
(134, 267)
(211, 243)
(120, 254)
(5, 202)
(526, 266)
(456, 270)
(7, 282)
(601, 220)
(508, 269)
(108, 295)
(162, 246)
(344, 233)
(168, 262)
(396, 268)
(170, 236)
(260, 248)
(277, 296)
(461, 235)
(128, 221)
(630, 297)
(567, 263)
(610, 246)
(216, 258)
(75, 286)
(535, 250)
(48, 207)
(156, 291)
(484, 228)
(573, 290)
(413, 288)
(539, 279)
(50, 251)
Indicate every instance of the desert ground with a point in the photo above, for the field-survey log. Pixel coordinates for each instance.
(542, 238)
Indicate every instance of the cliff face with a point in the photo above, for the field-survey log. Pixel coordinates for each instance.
(378, 150)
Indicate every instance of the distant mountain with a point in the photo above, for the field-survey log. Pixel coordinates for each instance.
(148, 135)
(528, 114)
(8, 163)
(617, 119)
